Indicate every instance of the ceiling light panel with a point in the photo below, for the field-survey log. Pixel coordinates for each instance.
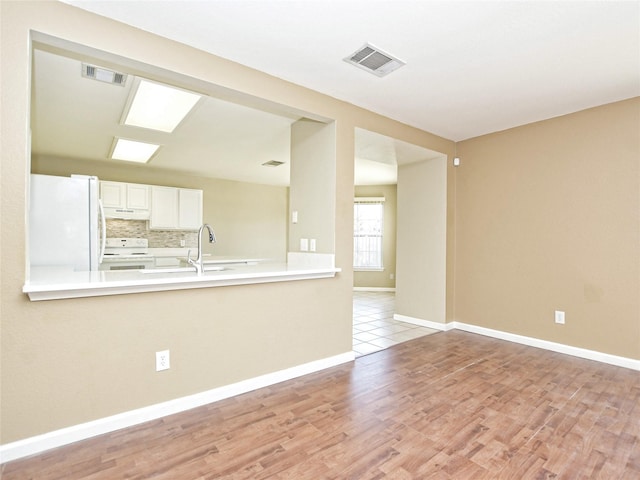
(132, 151)
(159, 107)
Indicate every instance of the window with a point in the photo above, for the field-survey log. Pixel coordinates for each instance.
(368, 224)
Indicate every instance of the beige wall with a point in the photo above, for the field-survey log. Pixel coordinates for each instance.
(249, 220)
(312, 191)
(422, 240)
(381, 279)
(548, 219)
(67, 362)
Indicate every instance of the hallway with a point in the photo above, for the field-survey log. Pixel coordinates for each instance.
(374, 328)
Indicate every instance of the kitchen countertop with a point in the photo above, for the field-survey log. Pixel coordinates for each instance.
(51, 283)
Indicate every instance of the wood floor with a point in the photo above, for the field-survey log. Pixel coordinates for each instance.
(447, 406)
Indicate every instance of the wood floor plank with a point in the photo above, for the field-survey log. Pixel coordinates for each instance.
(451, 405)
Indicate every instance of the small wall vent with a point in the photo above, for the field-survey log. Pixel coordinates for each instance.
(103, 75)
(374, 60)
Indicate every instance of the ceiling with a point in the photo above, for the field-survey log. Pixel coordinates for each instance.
(79, 118)
(76, 117)
(472, 67)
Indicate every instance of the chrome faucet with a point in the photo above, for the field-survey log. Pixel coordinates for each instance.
(198, 262)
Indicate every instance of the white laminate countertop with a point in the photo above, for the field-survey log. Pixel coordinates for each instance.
(51, 283)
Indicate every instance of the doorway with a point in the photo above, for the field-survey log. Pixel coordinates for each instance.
(412, 182)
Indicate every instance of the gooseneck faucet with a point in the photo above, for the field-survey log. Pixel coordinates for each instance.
(198, 262)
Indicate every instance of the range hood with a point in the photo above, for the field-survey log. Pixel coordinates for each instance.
(127, 213)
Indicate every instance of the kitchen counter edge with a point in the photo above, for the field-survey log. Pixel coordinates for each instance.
(51, 284)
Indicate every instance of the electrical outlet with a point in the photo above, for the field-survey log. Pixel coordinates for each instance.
(559, 317)
(162, 360)
(312, 244)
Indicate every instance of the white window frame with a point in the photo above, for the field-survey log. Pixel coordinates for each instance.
(365, 239)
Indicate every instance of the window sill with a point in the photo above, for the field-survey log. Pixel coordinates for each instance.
(364, 269)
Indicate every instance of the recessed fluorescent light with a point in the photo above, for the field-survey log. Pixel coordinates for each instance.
(132, 151)
(159, 107)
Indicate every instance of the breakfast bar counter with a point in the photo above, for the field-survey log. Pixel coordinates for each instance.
(52, 283)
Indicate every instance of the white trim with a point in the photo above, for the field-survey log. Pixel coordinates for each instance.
(64, 436)
(443, 327)
(552, 346)
(616, 360)
(374, 289)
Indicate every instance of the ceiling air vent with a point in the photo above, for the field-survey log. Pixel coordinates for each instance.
(374, 60)
(272, 163)
(103, 75)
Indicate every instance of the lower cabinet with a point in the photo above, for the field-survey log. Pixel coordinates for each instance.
(175, 208)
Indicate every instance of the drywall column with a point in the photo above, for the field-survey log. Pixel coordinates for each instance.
(312, 192)
(422, 240)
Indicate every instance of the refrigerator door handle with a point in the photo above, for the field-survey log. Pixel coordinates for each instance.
(104, 232)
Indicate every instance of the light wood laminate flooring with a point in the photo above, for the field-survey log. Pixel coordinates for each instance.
(450, 405)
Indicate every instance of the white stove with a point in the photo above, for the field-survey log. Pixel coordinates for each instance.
(127, 254)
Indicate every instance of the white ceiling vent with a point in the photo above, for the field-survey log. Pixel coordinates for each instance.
(272, 163)
(103, 75)
(374, 60)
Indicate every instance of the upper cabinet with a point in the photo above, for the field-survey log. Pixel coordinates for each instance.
(166, 208)
(189, 209)
(125, 200)
(175, 208)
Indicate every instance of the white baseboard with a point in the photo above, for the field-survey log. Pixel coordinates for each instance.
(64, 436)
(552, 346)
(443, 327)
(530, 341)
(374, 289)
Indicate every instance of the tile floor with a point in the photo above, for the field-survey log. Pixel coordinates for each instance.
(374, 328)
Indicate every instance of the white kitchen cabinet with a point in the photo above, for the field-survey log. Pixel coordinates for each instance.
(138, 196)
(125, 200)
(175, 208)
(189, 209)
(113, 194)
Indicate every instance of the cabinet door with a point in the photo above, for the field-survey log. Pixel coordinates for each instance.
(190, 209)
(164, 208)
(138, 196)
(113, 194)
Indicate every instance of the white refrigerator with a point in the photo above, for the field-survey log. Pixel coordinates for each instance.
(66, 226)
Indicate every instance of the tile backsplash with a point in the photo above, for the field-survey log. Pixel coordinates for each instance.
(157, 238)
